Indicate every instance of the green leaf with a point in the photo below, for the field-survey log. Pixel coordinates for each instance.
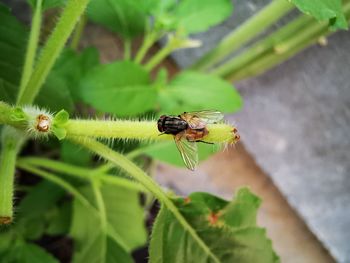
(122, 88)
(13, 38)
(71, 153)
(59, 219)
(242, 211)
(61, 118)
(29, 253)
(189, 16)
(227, 229)
(59, 132)
(324, 10)
(125, 17)
(58, 125)
(55, 94)
(125, 223)
(167, 152)
(47, 4)
(199, 15)
(33, 207)
(191, 91)
(72, 66)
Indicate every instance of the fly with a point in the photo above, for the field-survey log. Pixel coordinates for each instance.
(189, 128)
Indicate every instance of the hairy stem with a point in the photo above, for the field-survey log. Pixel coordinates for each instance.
(53, 47)
(11, 143)
(121, 129)
(140, 130)
(136, 172)
(247, 31)
(31, 48)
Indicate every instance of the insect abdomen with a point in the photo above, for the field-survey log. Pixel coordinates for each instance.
(173, 125)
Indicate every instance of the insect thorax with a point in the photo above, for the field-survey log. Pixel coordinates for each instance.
(173, 125)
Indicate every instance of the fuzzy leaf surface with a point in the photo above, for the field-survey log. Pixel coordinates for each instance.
(122, 88)
(199, 15)
(72, 66)
(324, 10)
(125, 17)
(228, 230)
(126, 230)
(28, 253)
(192, 91)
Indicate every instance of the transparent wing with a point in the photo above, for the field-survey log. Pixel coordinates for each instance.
(209, 116)
(198, 119)
(188, 151)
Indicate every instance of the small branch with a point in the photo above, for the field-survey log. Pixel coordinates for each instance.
(245, 32)
(95, 184)
(57, 180)
(140, 130)
(127, 49)
(53, 47)
(175, 41)
(11, 143)
(260, 48)
(83, 173)
(148, 41)
(286, 49)
(78, 32)
(31, 48)
(133, 170)
(159, 56)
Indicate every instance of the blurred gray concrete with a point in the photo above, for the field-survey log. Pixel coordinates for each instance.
(296, 123)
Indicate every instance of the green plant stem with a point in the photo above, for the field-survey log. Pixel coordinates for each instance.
(83, 173)
(121, 129)
(148, 41)
(31, 48)
(78, 32)
(101, 213)
(127, 49)
(11, 143)
(158, 57)
(263, 46)
(139, 130)
(104, 168)
(285, 49)
(95, 184)
(55, 179)
(53, 47)
(12, 140)
(247, 31)
(100, 203)
(136, 172)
